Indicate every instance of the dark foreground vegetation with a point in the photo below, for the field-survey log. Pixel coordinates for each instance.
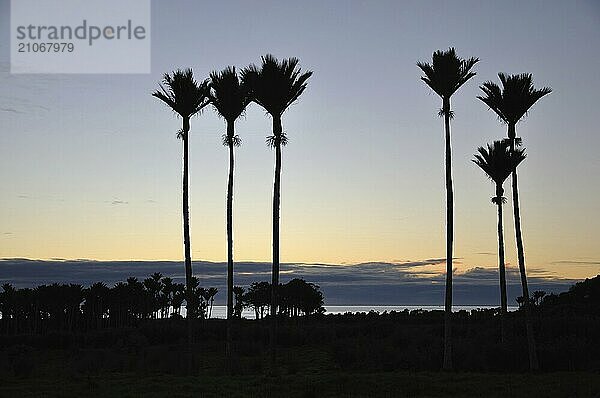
(75, 308)
(365, 354)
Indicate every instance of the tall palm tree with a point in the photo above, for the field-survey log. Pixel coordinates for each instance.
(229, 97)
(276, 85)
(511, 104)
(446, 74)
(186, 97)
(497, 161)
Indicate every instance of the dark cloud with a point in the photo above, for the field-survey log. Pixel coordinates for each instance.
(44, 198)
(410, 263)
(11, 110)
(575, 262)
(19, 105)
(376, 283)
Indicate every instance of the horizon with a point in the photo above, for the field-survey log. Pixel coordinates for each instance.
(372, 283)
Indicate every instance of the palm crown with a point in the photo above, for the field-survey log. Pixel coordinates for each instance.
(276, 84)
(182, 93)
(516, 97)
(498, 161)
(447, 72)
(228, 95)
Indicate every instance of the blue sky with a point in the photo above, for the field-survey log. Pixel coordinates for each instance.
(90, 166)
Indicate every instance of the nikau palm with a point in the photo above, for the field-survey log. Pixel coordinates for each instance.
(511, 104)
(229, 97)
(445, 75)
(498, 162)
(276, 85)
(186, 97)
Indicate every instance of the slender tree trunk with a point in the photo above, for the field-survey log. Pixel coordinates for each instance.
(230, 134)
(449, 240)
(277, 129)
(501, 266)
(186, 244)
(533, 361)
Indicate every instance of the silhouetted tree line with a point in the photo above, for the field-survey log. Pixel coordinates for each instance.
(582, 298)
(297, 297)
(567, 326)
(72, 307)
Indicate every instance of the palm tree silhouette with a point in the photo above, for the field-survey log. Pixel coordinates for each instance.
(153, 287)
(95, 304)
(178, 296)
(166, 296)
(511, 104)
(209, 296)
(446, 74)
(275, 86)
(229, 97)
(186, 97)
(238, 292)
(497, 161)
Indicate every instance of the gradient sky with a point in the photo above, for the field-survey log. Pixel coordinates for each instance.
(90, 166)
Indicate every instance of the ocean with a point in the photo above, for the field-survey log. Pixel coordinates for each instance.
(220, 311)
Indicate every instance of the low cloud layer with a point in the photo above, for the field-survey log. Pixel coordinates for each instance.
(374, 283)
(576, 262)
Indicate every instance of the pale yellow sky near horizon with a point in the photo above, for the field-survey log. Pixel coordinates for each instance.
(151, 231)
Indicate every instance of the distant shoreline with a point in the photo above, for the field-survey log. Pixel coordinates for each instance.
(219, 311)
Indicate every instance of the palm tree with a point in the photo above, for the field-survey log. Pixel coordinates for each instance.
(211, 292)
(153, 287)
(238, 292)
(229, 97)
(166, 296)
(511, 104)
(95, 304)
(497, 161)
(178, 296)
(446, 74)
(276, 85)
(186, 97)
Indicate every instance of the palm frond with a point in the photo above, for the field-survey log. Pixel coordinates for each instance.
(513, 101)
(273, 140)
(442, 113)
(497, 160)
(447, 72)
(228, 95)
(182, 93)
(275, 85)
(231, 140)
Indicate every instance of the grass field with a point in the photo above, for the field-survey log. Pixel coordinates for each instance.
(393, 355)
(322, 384)
(301, 372)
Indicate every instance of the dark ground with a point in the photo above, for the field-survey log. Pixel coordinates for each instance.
(364, 355)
